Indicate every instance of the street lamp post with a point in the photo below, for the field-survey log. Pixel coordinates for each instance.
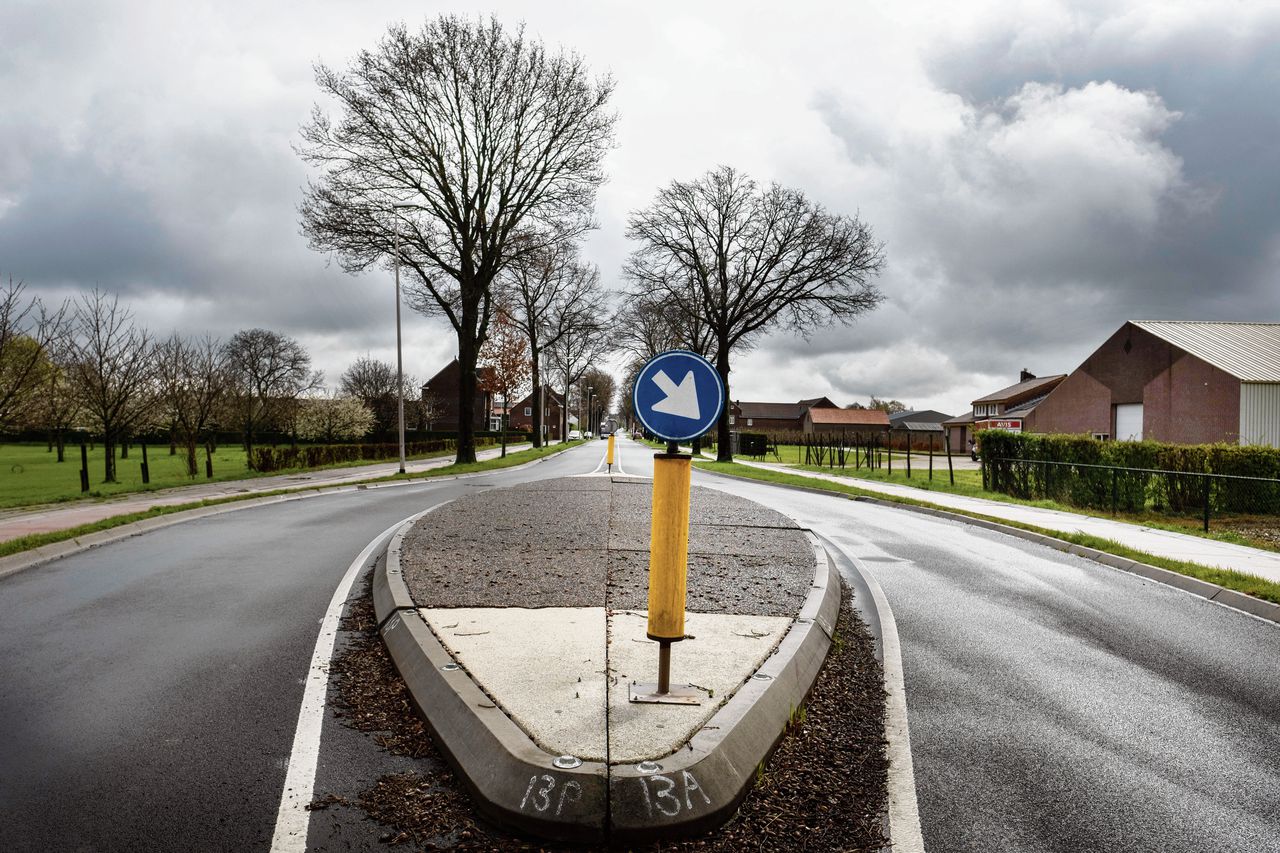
(590, 393)
(399, 351)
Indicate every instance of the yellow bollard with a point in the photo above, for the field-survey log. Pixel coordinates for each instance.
(668, 546)
(608, 455)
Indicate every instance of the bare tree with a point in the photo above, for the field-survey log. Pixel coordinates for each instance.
(547, 291)
(648, 323)
(461, 148)
(431, 407)
(191, 381)
(27, 332)
(745, 260)
(56, 407)
(110, 369)
(506, 354)
(266, 372)
(597, 387)
(584, 342)
(373, 382)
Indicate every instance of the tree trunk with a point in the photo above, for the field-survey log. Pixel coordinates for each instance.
(191, 456)
(124, 446)
(60, 441)
(467, 352)
(109, 462)
(537, 398)
(724, 446)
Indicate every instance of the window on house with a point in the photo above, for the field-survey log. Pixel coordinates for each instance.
(1101, 436)
(528, 411)
(750, 422)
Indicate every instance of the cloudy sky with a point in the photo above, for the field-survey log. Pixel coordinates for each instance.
(1040, 171)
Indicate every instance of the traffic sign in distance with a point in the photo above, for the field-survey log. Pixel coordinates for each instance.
(678, 395)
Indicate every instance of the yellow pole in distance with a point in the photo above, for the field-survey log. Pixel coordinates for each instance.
(668, 546)
(608, 456)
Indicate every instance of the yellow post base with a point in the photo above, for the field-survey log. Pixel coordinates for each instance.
(669, 546)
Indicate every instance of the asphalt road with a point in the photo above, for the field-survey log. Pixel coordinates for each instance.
(1058, 705)
(149, 689)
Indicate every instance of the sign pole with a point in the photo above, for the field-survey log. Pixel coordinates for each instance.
(678, 396)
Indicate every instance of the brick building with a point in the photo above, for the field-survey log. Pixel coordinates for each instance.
(552, 413)
(1014, 408)
(775, 417)
(863, 422)
(1180, 382)
(440, 399)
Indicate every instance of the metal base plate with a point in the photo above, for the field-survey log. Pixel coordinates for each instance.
(679, 694)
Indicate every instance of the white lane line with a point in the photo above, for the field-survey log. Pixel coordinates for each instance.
(293, 819)
(904, 811)
(617, 457)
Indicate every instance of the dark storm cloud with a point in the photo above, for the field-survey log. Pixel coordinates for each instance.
(75, 221)
(1039, 178)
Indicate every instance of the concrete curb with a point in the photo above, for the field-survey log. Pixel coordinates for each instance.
(1246, 604)
(23, 560)
(517, 784)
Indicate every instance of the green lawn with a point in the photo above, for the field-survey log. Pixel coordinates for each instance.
(968, 483)
(1248, 584)
(31, 475)
(513, 458)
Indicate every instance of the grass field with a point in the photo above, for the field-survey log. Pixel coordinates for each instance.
(513, 458)
(1248, 584)
(30, 474)
(1242, 530)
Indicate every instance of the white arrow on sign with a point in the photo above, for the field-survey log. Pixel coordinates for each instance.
(681, 400)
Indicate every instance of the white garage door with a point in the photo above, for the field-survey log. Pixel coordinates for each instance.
(1129, 422)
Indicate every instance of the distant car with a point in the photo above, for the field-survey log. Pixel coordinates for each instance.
(588, 434)
(575, 434)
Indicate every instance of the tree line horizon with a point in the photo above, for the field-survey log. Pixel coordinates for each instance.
(469, 156)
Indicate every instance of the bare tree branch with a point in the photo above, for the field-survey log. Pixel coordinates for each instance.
(741, 261)
(495, 142)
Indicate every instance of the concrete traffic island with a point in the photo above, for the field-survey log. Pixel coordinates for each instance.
(517, 620)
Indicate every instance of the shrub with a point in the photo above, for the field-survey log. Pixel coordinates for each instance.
(1167, 476)
(267, 459)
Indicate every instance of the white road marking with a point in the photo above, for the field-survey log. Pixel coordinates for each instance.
(293, 820)
(904, 811)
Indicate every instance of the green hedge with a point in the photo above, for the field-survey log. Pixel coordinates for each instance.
(267, 459)
(1168, 483)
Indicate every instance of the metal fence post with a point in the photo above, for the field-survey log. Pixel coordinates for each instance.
(1113, 491)
(1208, 483)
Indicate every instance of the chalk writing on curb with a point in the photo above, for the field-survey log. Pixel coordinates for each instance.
(661, 794)
(540, 794)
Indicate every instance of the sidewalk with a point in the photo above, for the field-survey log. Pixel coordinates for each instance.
(1163, 543)
(53, 517)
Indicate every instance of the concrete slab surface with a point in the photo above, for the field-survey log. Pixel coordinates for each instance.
(725, 650)
(544, 667)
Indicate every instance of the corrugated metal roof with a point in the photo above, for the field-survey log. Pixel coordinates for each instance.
(776, 411)
(1248, 351)
(919, 426)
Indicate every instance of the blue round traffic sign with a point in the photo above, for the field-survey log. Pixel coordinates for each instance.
(678, 395)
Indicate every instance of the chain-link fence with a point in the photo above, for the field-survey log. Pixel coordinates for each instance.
(1117, 489)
